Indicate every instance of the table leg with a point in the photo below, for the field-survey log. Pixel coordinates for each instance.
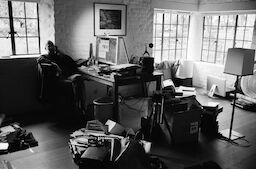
(158, 82)
(115, 103)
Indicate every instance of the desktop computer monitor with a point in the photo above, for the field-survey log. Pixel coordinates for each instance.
(107, 49)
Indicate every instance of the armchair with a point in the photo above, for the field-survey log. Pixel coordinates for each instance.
(62, 93)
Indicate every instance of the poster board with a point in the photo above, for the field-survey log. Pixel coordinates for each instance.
(107, 49)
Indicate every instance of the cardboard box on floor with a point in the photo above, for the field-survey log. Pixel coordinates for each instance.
(185, 124)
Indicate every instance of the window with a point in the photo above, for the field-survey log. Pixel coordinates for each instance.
(223, 32)
(170, 35)
(19, 28)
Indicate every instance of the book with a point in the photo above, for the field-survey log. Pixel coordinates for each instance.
(95, 153)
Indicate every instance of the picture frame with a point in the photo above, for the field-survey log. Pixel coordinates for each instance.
(110, 19)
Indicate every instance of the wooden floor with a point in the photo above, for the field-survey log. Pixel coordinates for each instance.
(53, 151)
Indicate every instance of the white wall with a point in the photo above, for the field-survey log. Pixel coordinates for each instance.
(226, 5)
(195, 36)
(184, 5)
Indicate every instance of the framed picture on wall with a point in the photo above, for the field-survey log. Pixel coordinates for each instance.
(110, 19)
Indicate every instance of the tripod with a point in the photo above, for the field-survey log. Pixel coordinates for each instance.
(157, 116)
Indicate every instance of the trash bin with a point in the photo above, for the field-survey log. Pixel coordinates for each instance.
(103, 109)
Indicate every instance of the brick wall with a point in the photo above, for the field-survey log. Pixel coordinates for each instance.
(74, 26)
(74, 31)
(46, 15)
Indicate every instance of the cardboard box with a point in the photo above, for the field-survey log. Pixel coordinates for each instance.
(131, 110)
(184, 125)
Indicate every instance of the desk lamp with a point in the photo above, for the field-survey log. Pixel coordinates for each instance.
(239, 62)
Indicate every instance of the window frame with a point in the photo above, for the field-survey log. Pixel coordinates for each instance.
(221, 59)
(176, 38)
(12, 32)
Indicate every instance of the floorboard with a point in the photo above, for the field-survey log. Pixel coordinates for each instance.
(53, 151)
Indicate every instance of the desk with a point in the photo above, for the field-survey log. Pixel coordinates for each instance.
(116, 81)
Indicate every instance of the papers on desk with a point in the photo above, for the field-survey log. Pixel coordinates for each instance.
(124, 67)
(187, 91)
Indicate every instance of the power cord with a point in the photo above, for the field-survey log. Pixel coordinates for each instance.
(233, 142)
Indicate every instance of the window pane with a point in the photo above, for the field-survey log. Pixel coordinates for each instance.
(214, 32)
(221, 45)
(158, 43)
(247, 44)
(19, 27)
(32, 27)
(211, 56)
(18, 9)
(4, 27)
(157, 56)
(180, 19)
(215, 20)
(172, 55)
(240, 33)
(212, 44)
(186, 19)
(165, 54)
(222, 32)
(207, 30)
(229, 44)
(250, 20)
(4, 9)
(219, 57)
(31, 10)
(185, 30)
(223, 20)
(167, 18)
(173, 31)
(158, 30)
(172, 43)
(230, 32)
(180, 32)
(166, 43)
(21, 45)
(184, 54)
(167, 29)
(239, 44)
(204, 55)
(207, 20)
(184, 43)
(205, 43)
(174, 19)
(159, 18)
(248, 34)
(33, 45)
(179, 42)
(231, 20)
(5, 47)
(241, 20)
(178, 54)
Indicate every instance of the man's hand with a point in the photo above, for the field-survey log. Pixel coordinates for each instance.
(58, 69)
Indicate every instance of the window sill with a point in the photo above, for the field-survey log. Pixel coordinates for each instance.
(20, 56)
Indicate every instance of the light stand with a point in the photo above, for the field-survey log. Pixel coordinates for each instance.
(239, 62)
(229, 133)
